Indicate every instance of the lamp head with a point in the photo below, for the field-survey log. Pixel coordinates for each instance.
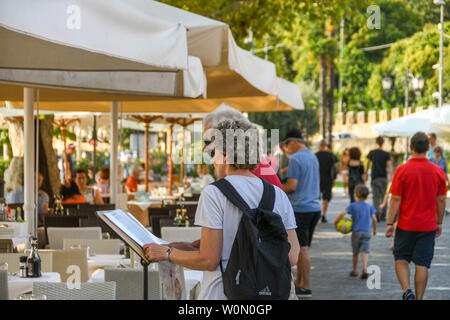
(387, 83)
(439, 2)
(418, 83)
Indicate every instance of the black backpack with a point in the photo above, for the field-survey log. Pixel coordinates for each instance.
(258, 267)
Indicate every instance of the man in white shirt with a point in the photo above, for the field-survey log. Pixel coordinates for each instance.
(220, 219)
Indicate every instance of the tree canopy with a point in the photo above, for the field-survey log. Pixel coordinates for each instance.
(307, 31)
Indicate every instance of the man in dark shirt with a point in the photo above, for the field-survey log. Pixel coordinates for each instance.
(328, 171)
(381, 167)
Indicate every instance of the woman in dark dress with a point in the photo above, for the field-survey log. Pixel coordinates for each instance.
(356, 174)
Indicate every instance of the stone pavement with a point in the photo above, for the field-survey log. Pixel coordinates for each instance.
(331, 260)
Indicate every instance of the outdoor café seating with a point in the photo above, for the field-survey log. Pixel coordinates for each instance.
(56, 236)
(129, 283)
(4, 285)
(87, 291)
(12, 259)
(96, 247)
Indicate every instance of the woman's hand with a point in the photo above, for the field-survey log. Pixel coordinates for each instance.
(155, 252)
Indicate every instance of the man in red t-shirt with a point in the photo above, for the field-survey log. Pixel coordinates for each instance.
(418, 195)
(133, 180)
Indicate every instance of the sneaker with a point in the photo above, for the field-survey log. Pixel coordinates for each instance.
(409, 295)
(303, 293)
(324, 220)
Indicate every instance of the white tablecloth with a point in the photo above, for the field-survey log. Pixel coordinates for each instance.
(18, 286)
(101, 261)
(144, 205)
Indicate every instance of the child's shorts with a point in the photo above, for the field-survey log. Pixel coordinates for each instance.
(360, 242)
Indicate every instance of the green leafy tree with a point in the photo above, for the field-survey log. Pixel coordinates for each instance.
(418, 53)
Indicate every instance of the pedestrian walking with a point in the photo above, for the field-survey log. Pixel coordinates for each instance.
(303, 189)
(418, 194)
(283, 164)
(432, 138)
(364, 220)
(344, 169)
(328, 170)
(356, 174)
(439, 160)
(381, 172)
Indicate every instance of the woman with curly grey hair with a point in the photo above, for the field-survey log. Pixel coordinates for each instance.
(234, 154)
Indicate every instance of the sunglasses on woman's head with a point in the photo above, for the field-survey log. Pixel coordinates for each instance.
(210, 151)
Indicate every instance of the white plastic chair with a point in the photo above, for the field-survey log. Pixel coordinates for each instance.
(63, 259)
(111, 246)
(3, 284)
(130, 283)
(185, 234)
(87, 291)
(57, 235)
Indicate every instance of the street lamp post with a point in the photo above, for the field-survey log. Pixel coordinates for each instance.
(441, 48)
(417, 83)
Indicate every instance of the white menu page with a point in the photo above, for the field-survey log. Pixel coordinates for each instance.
(132, 227)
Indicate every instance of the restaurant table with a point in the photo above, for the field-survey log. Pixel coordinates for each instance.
(18, 286)
(101, 261)
(192, 280)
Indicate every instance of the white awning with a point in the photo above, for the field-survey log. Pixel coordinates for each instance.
(408, 125)
(213, 43)
(97, 45)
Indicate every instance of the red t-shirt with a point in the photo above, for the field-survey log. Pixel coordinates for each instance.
(132, 184)
(266, 172)
(418, 182)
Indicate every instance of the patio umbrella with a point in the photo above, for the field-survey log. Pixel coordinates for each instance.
(440, 120)
(74, 44)
(146, 119)
(62, 53)
(183, 122)
(233, 75)
(69, 42)
(171, 119)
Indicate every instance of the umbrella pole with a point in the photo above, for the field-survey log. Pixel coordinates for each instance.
(170, 160)
(28, 169)
(94, 153)
(67, 172)
(182, 159)
(114, 167)
(146, 156)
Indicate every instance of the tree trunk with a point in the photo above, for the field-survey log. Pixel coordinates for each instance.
(323, 94)
(331, 69)
(47, 158)
(48, 164)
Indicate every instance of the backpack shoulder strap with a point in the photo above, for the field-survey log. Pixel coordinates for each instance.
(268, 197)
(230, 192)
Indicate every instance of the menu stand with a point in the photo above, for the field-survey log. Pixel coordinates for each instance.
(145, 268)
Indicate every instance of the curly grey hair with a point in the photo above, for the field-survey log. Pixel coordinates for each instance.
(241, 141)
(222, 112)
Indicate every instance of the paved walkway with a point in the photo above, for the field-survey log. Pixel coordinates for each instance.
(331, 259)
